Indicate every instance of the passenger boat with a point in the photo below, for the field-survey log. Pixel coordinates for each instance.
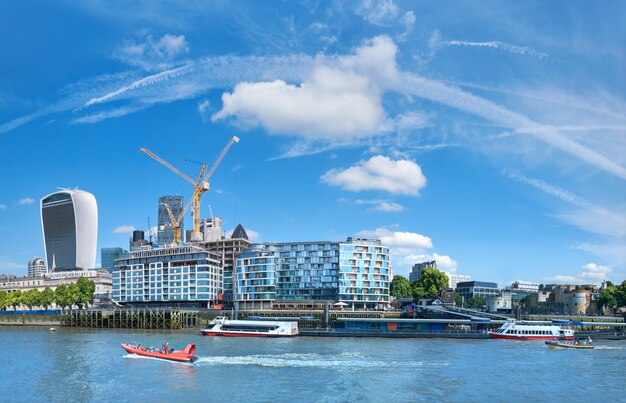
(165, 353)
(583, 345)
(526, 331)
(221, 326)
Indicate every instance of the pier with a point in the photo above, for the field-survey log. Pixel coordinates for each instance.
(131, 319)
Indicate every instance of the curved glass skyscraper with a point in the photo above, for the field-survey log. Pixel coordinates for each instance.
(69, 220)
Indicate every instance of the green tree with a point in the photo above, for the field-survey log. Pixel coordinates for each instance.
(4, 300)
(46, 298)
(609, 297)
(400, 287)
(476, 302)
(73, 294)
(457, 299)
(428, 284)
(86, 289)
(62, 296)
(30, 298)
(15, 299)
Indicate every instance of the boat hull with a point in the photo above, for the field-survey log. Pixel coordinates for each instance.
(185, 355)
(245, 334)
(558, 345)
(527, 337)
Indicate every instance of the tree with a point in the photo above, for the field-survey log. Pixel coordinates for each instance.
(86, 289)
(46, 298)
(4, 300)
(15, 299)
(458, 301)
(428, 284)
(73, 294)
(400, 287)
(476, 302)
(609, 297)
(62, 296)
(31, 298)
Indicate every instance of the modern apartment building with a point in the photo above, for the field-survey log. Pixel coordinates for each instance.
(69, 220)
(165, 229)
(186, 275)
(355, 272)
(454, 279)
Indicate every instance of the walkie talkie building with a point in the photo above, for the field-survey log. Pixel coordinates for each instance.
(69, 220)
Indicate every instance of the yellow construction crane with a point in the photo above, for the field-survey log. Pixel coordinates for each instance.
(200, 185)
(176, 221)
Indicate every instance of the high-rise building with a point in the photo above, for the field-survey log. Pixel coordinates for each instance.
(211, 229)
(165, 229)
(36, 267)
(228, 249)
(69, 220)
(355, 272)
(414, 275)
(108, 256)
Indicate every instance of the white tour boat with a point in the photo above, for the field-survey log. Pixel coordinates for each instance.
(222, 326)
(527, 331)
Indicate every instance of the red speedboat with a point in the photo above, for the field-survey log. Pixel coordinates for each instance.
(186, 355)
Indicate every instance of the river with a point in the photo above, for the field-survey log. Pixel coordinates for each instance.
(89, 365)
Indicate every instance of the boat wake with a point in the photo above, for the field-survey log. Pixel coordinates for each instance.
(344, 360)
(609, 348)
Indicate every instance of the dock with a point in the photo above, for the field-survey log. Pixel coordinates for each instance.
(131, 319)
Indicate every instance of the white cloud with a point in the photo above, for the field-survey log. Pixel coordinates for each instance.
(591, 273)
(3, 206)
(381, 205)
(410, 241)
(378, 12)
(124, 229)
(333, 103)
(615, 253)
(27, 200)
(253, 235)
(379, 173)
(588, 216)
(153, 54)
(203, 110)
(436, 42)
(595, 272)
(444, 262)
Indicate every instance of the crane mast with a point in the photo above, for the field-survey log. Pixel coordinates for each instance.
(200, 185)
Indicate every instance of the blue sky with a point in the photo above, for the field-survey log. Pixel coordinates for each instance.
(487, 135)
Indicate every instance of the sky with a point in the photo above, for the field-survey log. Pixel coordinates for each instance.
(489, 136)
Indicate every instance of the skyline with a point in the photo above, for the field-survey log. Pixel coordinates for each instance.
(489, 136)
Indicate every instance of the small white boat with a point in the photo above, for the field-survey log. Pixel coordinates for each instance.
(221, 326)
(53, 329)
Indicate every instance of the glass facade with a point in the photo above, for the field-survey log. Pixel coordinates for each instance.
(59, 224)
(178, 274)
(108, 256)
(165, 232)
(355, 272)
(469, 289)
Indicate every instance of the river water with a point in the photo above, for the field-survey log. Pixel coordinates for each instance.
(89, 365)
